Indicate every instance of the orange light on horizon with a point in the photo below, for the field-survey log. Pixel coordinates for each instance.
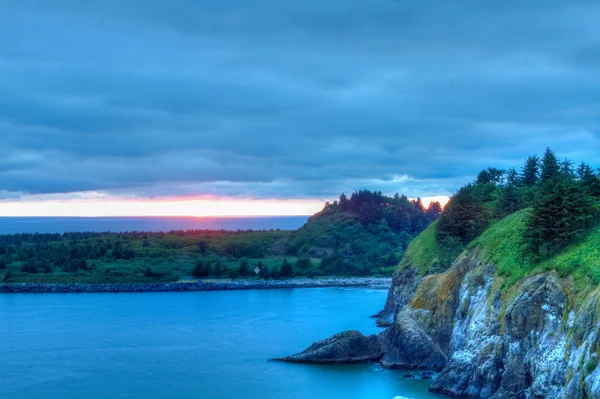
(178, 207)
(442, 199)
(175, 206)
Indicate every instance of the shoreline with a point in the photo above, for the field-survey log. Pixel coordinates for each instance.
(42, 288)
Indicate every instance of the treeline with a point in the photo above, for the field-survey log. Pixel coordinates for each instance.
(75, 252)
(400, 213)
(366, 233)
(562, 197)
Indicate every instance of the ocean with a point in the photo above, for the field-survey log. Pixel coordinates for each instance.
(13, 225)
(200, 345)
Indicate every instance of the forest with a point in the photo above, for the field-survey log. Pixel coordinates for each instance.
(561, 199)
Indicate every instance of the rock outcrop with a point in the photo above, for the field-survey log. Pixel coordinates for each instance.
(346, 347)
(530, 341)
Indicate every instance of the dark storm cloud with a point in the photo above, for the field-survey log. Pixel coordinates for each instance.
(286, 98)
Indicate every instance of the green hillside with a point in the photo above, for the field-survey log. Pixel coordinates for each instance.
(551, 223)
(423, 252)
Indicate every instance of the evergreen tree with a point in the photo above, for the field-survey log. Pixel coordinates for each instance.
(530, 171)
(201, 269)
(490, 175)
(587, 177)
(550, 166)
(566, 170)
(464, 216)
(562, 212)
(344, 203)
(434, 210)
(586, 174)
(244, 269)
(287, 270)
(303, 264)
(483, 177)
(512, 178)
(509, 199)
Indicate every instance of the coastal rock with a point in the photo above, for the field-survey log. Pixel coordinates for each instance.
(530, 341)
(408, 346)
(404, 285)
(346, 347)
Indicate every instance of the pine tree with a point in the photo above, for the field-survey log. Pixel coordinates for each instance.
(244, 269)
(287, 270)
(343, 202)
(464, 216)
(587, 177)
(550, 166)
(434, 210)
(201, 269)
(566, 170)
(530, 171)
(561, 213)
(490, 175)
(509, 200)
(586, 174)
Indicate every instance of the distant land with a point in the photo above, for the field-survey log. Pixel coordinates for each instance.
(18, 225)
(364, 234)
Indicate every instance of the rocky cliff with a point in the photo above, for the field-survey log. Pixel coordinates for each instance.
(531, 340)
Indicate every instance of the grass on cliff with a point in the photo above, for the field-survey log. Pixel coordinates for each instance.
(503, 245)
(423, 252)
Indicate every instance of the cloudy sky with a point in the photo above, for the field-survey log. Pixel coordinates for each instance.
(285, 99)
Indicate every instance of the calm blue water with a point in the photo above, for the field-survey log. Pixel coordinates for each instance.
(12, 225)
(187, 345)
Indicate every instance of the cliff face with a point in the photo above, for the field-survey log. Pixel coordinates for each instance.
(527, 342)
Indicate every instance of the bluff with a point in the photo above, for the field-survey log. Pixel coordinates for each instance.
(492, 325)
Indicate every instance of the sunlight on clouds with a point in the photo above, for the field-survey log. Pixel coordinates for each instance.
(442, 199)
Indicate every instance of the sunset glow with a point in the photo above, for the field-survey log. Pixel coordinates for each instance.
(198, 208)
(167, 207)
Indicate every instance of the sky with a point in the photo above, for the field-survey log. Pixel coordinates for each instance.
(232, 106)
